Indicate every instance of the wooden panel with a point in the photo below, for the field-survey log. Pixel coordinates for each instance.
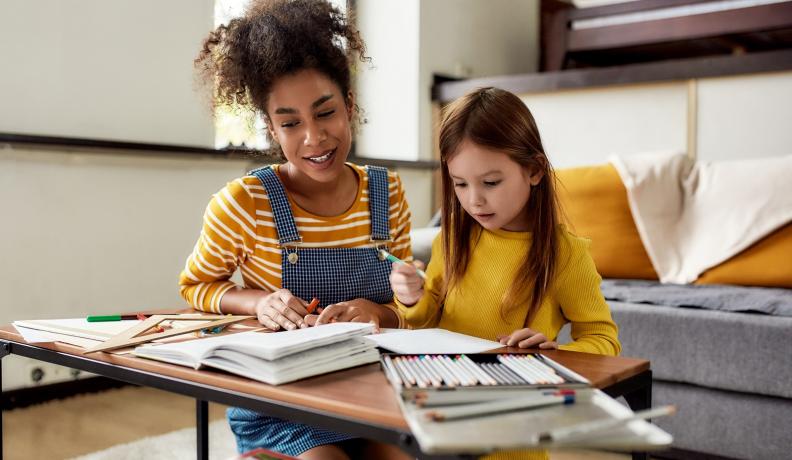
(629, 7)
(679, 69)
(752, 19)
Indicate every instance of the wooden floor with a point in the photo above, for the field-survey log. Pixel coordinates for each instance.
(87, 423)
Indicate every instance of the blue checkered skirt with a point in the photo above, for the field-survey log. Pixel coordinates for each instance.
(253, 430)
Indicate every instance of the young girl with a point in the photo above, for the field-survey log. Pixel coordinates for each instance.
(309, 227)
(503, 268)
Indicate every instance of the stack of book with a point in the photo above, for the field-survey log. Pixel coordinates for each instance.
(274, 357)
(477, 403)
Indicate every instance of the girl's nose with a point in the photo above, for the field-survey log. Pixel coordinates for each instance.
(476, 198)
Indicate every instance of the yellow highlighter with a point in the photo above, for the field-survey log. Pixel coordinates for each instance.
(385, 255)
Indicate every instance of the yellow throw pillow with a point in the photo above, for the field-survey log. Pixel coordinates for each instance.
(766, 263)
(594, 205)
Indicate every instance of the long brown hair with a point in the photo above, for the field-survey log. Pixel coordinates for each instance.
(499, 120)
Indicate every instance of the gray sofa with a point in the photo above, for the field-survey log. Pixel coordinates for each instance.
(728, 372)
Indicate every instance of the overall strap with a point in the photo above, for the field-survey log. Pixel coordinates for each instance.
(281, 210)
(378, 203)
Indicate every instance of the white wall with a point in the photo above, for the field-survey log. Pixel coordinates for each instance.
(387, 89)
(119, 70)
(473, 38)
(86, 233)
(583, 127)
(745, 116)
(95, 232)
(409, 40)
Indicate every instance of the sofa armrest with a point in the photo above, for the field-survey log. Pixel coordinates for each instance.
(422, 242)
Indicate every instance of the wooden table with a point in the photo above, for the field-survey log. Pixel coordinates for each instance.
(357, 401)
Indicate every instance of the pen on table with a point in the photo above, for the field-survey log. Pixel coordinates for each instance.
(585, 429)
(100, 318)
(385, 255)
(500, 406)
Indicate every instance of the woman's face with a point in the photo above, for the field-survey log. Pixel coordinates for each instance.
(310, 119)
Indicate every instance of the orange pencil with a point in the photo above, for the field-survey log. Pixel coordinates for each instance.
(312, 306)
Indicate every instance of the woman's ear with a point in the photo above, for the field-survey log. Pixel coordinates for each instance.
(270, 129)
(350, 103)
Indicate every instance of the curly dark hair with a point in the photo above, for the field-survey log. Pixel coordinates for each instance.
(242, 59)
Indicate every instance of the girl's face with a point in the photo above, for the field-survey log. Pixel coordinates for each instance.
(310, 119)
(491, 187)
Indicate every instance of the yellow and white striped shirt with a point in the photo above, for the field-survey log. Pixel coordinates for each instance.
(239, 232)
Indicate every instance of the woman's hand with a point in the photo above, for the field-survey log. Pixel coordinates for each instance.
(407, 285)
(355, 311)
(281, 309)
(527, 338)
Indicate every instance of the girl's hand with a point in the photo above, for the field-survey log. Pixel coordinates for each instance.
(527, 338)
(407, 285)
(281, 309)
(354, 311)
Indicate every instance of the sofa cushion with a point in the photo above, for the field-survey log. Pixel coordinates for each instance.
(725, 423)
(421, 239)
(594, 205)
(741, 299)
(766, 263)
(746, 352)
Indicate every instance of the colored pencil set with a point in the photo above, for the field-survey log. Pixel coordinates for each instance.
(498, 383)
(436, 371)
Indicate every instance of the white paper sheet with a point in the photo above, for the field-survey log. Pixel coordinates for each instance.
(37, 336)
(430, 341)
(79, 327)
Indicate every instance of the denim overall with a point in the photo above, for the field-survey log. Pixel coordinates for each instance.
(330, 274)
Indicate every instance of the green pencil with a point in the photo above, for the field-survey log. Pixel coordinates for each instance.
(385, 255)
(97, 319)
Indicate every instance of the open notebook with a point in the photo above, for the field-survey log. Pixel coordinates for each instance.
(274, 357)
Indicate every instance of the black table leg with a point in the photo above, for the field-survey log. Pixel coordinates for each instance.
(202, 425)
(637, 391)
(640, 399)
(5, 350)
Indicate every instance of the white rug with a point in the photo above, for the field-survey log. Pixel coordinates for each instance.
(175, 445)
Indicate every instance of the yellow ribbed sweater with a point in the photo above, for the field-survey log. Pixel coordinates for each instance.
(473, 307)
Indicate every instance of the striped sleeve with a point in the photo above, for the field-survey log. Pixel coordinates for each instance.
(227, 238)
(399, 220)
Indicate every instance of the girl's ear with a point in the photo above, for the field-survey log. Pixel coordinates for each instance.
(535, 178)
